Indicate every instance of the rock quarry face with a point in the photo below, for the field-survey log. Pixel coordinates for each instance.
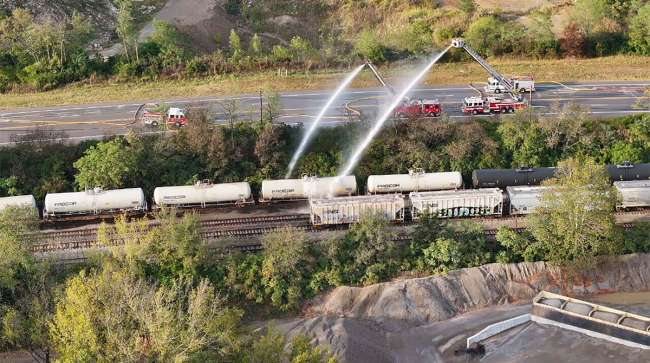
(370, 323)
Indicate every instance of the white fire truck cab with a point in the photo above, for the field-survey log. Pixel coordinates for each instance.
(521, 84)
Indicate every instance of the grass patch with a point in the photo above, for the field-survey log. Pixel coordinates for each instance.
(561, 70)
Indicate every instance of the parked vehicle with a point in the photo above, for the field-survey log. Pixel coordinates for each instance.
(174, 117)
(489, 105)
(521, 84)
(418, 108)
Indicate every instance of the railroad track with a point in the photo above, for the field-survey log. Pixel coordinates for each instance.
(238, 227)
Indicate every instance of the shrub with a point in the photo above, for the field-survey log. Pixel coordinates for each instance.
(368, 46)
(640, 31)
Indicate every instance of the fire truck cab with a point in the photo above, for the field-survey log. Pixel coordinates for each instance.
(418, 108)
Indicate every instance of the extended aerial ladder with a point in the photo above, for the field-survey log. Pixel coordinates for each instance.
(507, 83)
(380, 78)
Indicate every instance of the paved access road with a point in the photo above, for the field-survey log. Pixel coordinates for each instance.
(80, 122)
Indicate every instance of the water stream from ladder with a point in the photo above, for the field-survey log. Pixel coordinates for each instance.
(312, 129)
(356, 156)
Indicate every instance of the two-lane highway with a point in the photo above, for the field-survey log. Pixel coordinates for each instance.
(79, 122)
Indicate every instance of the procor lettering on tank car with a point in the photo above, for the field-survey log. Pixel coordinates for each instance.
(346, 210)
(501, 178)
(307, 187)
(203, 194)
(94, 202)
(633, 194)
(414, 181)
(627, 171)
(20, 201)
(458, 203)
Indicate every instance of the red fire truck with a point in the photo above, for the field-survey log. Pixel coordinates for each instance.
(175, 117)
(418, 108)
(479, 105)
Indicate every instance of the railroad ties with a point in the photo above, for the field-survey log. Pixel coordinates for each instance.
(239, 228)
(211, 230)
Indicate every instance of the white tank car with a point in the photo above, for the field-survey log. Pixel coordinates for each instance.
(634, 194)
(344, 210)
(308, 187)
(457, 203)
(203, 194)
(20, 201)
(524, 199)
(284, 189)
(414, 181)
(94, 201)
(327, 187)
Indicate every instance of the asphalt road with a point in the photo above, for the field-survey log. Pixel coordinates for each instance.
(80, 122)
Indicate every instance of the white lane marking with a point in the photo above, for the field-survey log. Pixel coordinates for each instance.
(83, 137)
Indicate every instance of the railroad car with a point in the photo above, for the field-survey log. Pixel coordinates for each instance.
(501, 178)
(633, 194)
(414, 181)
(285, 189)
(523, 199)
(345, 210)
(628, 171)
(307, 187)
(457, 203)
(203, 194)
(20, 201)
(94, 203)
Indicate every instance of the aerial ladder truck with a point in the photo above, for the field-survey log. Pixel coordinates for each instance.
(490, 104)
(409, 108)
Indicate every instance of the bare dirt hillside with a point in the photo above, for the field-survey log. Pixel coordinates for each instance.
(416, 319)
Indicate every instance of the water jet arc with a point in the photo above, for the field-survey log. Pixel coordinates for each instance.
(314, 125)
(380, 121)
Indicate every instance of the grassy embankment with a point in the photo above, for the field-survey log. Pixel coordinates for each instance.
(560, 70)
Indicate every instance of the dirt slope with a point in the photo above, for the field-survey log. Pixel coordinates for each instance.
(411, 320)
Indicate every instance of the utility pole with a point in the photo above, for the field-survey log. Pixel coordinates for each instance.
(261, 108)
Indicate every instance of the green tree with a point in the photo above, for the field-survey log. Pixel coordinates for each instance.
(110, 165)
(492, 36)
(17, 230)
(467, 6)
(126, 28)
(367, 254)
(270, 348)
(165, 253)
(142, 322)
(286, 267)
(368, 46)
(458, 246)
(256, 46)
(640, 31)
(575, 222)
(236, 50)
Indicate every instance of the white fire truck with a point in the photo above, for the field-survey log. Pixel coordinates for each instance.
(522, 84)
